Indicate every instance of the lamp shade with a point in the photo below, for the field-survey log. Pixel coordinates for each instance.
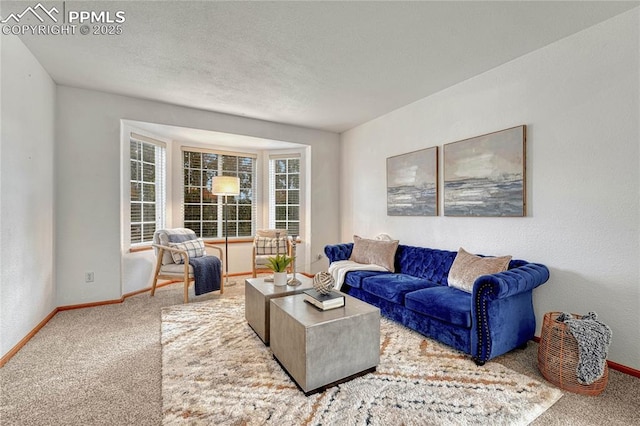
(225, 185)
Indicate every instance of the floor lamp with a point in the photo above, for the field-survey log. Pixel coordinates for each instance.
(225, 185)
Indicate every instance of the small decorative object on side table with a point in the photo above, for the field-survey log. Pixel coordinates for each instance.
(321, 296)
(271, 278)
(324, 302)
(293, 281)
(278, 265)
(323, 282)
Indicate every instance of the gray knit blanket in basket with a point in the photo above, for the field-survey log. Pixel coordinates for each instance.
(594, 338)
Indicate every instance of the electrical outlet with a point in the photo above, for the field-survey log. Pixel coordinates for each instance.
(88, 277)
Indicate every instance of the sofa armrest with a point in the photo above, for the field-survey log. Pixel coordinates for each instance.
(338, 252)
(511, 282)
(502, 314)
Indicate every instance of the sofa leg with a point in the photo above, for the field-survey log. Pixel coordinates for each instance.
(479, 362)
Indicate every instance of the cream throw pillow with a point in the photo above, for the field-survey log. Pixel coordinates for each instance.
(467, 267)
(381, 253)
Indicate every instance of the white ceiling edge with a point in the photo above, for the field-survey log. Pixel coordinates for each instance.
(231, 141)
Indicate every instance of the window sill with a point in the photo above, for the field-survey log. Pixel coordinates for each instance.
(140, 248)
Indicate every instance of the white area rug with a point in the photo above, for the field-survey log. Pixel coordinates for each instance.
(215, 370)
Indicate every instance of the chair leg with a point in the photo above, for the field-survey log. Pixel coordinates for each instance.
(153, 287)
(186, 289)
(221, 281)
(186, 281)
(155, 275)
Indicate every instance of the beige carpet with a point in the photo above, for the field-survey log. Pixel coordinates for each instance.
(215, 370)
(102, 366)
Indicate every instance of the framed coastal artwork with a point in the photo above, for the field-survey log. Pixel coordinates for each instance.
(412, 183)
(486, 175)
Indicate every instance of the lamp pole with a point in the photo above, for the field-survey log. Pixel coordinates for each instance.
(225, 186)
(226, 242)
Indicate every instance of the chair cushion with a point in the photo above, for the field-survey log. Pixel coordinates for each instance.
(393, 287)
(194, 248)
(442, 302)
(270, 246)
(174, 269)
(263, 260)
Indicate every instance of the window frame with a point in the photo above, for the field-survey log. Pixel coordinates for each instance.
(272, 197)
(160, 187)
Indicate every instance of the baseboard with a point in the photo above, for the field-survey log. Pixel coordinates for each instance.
(26, 338)
(612, 365)
(623, 369)
(91, 304)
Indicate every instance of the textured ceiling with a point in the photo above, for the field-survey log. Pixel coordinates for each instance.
(324, 65)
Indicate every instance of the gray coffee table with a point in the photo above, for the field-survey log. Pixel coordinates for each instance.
(320, 349)
(258, 293)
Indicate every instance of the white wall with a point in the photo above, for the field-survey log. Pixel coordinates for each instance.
(27, 286)
(88, 186)
(579, 98)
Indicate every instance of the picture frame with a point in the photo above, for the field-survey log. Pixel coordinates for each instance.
(412, 183)
(486, 175)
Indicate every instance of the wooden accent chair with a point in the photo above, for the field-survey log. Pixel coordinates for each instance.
(266, 245)
(167, 268)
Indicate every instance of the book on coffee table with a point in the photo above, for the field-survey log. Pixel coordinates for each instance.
(323, 301)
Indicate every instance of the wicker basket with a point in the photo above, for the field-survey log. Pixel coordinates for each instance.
(558, 358)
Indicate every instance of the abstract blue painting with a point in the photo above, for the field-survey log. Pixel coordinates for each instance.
(486, 175)
(412, 183)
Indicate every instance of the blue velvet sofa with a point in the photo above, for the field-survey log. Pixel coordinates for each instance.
(492, 320)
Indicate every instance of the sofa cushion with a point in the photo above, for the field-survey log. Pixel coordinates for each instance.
(467, 267)
(374, 252)
(393, 287)
(444, 303)
(354, 278)
(430, 264)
